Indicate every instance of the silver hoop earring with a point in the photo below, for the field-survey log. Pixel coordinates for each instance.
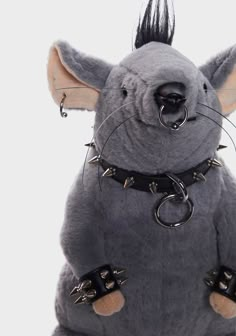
(63, 113)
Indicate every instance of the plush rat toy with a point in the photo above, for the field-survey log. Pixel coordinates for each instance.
(153, 204)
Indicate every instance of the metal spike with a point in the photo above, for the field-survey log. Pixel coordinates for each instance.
(214, 163)
(104, 274)
(209, 282)
(121, 282)
(153, 187)
(91, 294)
(110, 284)
(223, 285)
(95, 160)
(74, 291)
(221, 147)
(90, 144)
(81, 299)
(109, 172)
(128, 182)
(118, 271)
(228, 275)
(86, 284)
(199, 177)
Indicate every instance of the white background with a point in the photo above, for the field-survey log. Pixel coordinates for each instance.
(41, 152)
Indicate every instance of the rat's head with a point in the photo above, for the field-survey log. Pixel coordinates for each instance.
(155, 111)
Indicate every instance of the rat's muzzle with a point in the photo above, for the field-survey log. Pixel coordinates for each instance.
(170, 99)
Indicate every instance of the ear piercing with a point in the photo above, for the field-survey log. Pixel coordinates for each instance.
(63, 113)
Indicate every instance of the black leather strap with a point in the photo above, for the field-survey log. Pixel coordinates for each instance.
(98, 283)
(164, 184)
(223, 281)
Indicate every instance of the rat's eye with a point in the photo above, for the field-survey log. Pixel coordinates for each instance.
(205, 87)
(124, 91)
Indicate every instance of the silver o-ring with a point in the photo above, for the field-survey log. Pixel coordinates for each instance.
(184, 220)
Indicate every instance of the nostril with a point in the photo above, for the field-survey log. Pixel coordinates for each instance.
(173, 99)
(171, 95)
(173, 87)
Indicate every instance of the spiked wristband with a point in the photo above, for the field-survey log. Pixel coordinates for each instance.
(98, 283)
(223, 281)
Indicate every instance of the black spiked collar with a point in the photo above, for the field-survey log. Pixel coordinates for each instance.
(155, 183)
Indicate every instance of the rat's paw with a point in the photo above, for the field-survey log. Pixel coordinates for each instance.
(109, 304)
(223, 306)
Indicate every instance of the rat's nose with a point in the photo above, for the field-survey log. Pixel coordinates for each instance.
(170, 99)
(170, 95)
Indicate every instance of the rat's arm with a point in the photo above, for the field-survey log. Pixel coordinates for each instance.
(224, 300)
(82, 240)
(81, 236)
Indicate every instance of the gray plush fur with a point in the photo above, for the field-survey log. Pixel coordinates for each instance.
(90, 70)
(165, 294)
(219, 67)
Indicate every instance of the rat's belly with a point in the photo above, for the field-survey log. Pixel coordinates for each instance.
(166, 268)
(165, 290)
(165, 293)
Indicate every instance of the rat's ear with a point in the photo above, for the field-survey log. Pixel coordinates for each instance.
(76, 75)
(221, 73)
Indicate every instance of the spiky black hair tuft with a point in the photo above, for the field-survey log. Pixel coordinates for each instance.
(158, 26)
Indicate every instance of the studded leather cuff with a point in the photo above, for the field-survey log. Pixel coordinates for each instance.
(98, 283)
(223, 281)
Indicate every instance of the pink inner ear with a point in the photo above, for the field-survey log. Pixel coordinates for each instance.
(227, 93)
(62, 81)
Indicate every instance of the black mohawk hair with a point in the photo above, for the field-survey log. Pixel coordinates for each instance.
(157, 25)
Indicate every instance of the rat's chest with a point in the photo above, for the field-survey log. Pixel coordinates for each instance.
(126, 206)
(133, 235)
